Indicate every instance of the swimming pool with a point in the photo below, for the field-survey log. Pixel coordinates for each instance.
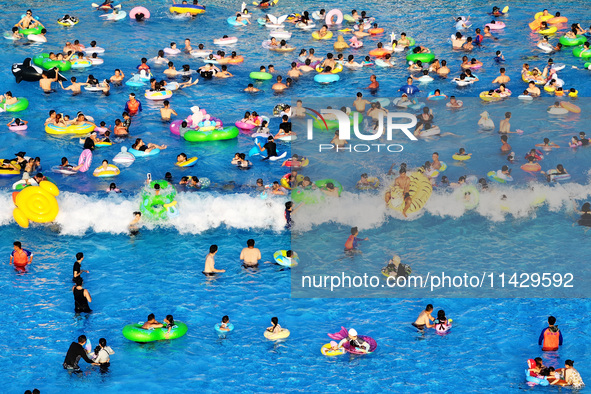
(159, 270)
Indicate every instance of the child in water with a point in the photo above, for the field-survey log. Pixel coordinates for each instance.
(225, 322)
(351, 244)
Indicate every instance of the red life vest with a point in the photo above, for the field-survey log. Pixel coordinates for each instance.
(551, 340)
(133, 106)
(143, 66)
(21, 258)
(349, 243)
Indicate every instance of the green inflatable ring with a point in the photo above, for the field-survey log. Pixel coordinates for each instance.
(161, 206)
(474, 193)
(35, 30)
(260, 75)
(571, 42)
(310, 196)
(213, 135)
(43, 61)
(20, 105)
(423, 57)
(334, 124)
(577, 52)
(135, 332)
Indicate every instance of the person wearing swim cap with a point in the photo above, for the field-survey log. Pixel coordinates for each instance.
(133, 106)
(355, 341)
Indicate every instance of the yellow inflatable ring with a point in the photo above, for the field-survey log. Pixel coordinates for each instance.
(6, 171)
(540, 16)
(111, 170)
(549, 88)
(284, 333)
(550, 30)
(187, 163)
(337, 69)
(328, 36)
(420, 192)
(326, 349)
(36, 204)
(461, 157)
(71, 129)
(285, 183)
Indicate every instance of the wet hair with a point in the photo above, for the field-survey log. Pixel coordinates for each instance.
(79, 255)
(250, 242)
(275, 321)
(551, 320)
(225, 319)
(213, 248)
(151, 316)
(429, 307)
(354, 230)
(441, 315)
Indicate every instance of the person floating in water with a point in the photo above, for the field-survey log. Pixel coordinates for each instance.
(396, 269)
(354, 341)
(424, 320)
(351, 244)
(225, 323)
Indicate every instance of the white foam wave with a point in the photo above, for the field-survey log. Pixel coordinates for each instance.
(199, 212)
(499, 203)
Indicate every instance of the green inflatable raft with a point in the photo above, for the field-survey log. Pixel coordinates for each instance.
(43, 61)
(135, 332)
(310, 196)
(213, 135)
(20, 105)
(159, 206)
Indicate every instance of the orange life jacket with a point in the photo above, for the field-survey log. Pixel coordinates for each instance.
(21, 258)
(133, 106)
(349, 243)
(551, 340)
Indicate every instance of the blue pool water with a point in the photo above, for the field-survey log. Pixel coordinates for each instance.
(159, 270)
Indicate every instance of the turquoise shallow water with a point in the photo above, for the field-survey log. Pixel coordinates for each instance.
(159, 270)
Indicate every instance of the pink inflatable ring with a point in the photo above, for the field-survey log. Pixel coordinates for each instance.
(139, 10)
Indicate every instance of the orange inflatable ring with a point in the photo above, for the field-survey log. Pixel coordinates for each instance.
(379, 52)
(235, 60)
(375, 31)
(557, 20)
(531, 167)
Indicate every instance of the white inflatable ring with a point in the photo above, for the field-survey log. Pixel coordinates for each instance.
(331, 14)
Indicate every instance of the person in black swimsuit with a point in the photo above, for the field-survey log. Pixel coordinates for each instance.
(81, 297)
